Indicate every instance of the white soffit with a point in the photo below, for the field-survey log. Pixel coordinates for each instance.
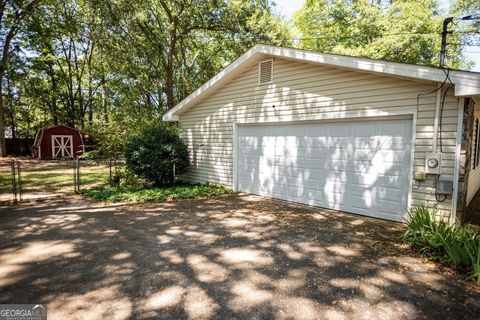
(466, 83)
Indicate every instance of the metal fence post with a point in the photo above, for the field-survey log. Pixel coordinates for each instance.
(14, 182)
(78, 175)
(19, 172)
(174, 174)
(74, 176)
(110, 172)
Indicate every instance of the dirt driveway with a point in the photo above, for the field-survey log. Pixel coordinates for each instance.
(233, 257)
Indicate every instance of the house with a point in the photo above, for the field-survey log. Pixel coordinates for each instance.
(354, 134)
(57, 142)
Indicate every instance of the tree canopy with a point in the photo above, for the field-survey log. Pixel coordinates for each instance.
(121, 63)
(404, 31)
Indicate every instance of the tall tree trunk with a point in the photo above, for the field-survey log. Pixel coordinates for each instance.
(104, 100)
(3, 69)
(3, 146)
(20, 15)
(11, 109)
(53, 103)
(169, 74)
(170, 61)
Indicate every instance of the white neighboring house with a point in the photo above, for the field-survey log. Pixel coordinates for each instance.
(354, 134)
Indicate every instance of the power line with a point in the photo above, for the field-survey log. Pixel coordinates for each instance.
(379, 35)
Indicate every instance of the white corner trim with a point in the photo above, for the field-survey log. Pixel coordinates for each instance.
(235, 156)
(458, 151)
(412, 162)
(466, 83)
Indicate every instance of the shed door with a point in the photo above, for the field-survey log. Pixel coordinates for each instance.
(62, 146)
(360, 167)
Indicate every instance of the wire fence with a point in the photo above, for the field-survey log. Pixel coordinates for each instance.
(31, 179)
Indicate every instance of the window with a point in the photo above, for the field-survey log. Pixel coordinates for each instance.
(265, 71)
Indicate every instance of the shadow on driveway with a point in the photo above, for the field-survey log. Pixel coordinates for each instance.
(237, 256)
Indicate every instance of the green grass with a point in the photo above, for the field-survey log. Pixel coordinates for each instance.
(53, 177)
(457, 244)
(60, 178)
(132, 194)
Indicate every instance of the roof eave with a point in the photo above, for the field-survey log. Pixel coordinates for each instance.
(466, 84)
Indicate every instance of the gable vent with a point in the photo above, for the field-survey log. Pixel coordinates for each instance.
(265, 74)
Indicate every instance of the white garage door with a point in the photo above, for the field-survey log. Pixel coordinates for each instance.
(360, 167)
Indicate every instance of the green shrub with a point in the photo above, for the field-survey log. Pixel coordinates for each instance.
(424, 233)
(152, 153)
(474, 253)
(133, 194)
(456, 243)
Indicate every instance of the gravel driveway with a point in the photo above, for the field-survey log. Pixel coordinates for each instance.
(232, 257)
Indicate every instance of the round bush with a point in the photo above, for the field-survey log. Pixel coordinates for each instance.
(152, 153)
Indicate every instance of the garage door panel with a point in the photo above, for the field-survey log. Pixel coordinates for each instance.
(364, 130)
(295, 181)
(393, 181)
(377, 168)
(382, 143)
(383, 155)
(315, 154)
(364, 201)
(399, 129)
(337, 131)
(295, 191)
(335, 191)
(337, 143)
(311, 174)
(361, 167)
(336, 165)
(377, 192)
(387, 207)
(315, 197)
(337, 154)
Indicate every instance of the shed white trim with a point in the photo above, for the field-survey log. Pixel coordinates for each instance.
(466, 83)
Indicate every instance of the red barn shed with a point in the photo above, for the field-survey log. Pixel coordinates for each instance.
(57, 142)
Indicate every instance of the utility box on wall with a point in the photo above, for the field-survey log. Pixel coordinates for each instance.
(433, 163)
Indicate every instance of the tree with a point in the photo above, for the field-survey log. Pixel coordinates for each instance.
(88, 62)
(403, 31)
(64, 36)
(184, 42)
(468, 30)
(12, 16)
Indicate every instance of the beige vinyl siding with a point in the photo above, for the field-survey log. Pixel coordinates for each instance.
(474, 175)
(303, 91)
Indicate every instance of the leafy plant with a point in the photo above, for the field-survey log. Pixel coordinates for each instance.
(423, 232)
(474, 253)
(133, 194)
(456, 243)
(153, 153)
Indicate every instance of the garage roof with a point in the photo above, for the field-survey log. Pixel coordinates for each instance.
(466, 83)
